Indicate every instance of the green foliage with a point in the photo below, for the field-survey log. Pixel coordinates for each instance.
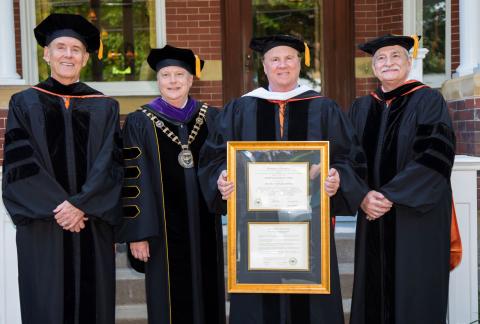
(298, 18)
(434, 36)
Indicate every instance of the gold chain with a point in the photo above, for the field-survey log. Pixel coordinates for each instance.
(160, 124)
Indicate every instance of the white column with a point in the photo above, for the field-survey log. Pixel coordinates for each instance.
(416, 73)
(9, 298)
(463, 292)
(8, 68)
(469, 39)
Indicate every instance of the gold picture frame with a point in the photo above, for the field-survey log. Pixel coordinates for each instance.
(282, 246)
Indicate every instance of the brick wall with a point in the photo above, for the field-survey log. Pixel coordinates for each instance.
(374, 18)
(3, 120)
(465, 115)
(455, 21)
(18, 40)
(197, 25)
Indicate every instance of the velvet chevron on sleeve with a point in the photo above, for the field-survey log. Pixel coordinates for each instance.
(409, 145)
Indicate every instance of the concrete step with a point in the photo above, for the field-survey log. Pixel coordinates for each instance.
(121, 256)
(345, 244)
(131, 305)
(346, 279)
(130, 299)
(131, 314)
(130, 287)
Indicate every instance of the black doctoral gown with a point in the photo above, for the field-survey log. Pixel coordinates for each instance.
(163, 204)
(308, 117)
(402, 259)
(62, 143)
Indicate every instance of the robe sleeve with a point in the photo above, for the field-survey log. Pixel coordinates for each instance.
(140, 196)
(420, 184)
(213, 157)
(100, 194)
(29, 189)
(347, 157)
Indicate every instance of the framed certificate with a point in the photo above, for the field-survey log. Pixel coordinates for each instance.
(278, 218)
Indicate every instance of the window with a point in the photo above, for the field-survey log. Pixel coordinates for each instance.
(128, 28)
(436, 65)
(298, 18)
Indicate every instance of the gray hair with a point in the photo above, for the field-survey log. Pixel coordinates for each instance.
(405, 51)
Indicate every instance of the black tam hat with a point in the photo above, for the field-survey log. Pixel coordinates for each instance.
(266, 43)
(68, 25)
(174, 56)
(406, 42)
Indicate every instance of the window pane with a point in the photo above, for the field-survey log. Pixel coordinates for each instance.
(127, 30)
(295, 17)
(434, 13)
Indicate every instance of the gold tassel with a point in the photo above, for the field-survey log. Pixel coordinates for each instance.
(307, 54)
(197, 66)
(100, 50)
(415, 46)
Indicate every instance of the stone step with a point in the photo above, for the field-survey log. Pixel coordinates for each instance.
(346, 279)
(130, 299)
(130, 288)
(121, 256)
(347, 303)
(131, 314)
(345, 244)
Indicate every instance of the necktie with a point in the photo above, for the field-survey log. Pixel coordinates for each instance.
(281, 113)
(281, 116)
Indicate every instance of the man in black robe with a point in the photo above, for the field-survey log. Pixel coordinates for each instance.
(172, 236)
(284, 112)
(403, 228)
(62, 176)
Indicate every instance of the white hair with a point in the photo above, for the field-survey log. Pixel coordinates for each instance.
(404, 50)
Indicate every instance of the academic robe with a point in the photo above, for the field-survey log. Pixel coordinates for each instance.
(402, 259)
(62, 143)
(308, 117)
(163, 204)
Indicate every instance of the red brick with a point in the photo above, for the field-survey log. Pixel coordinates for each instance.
(199, 17)
(188, 24)
(180, 4)
(470, 103)
(209, 10)
(198, 4)
(176, 31)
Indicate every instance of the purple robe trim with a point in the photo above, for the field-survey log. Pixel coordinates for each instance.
(172, 112)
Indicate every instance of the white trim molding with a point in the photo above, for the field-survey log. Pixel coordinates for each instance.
(9, 297)
(463, 291)
(469, 40)
(8, 63)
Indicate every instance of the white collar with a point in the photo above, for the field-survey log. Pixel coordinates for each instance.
(262, 93)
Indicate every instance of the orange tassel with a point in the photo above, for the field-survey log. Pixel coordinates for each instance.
(100, 50)
(455, 241)
(415, 45)
(307, 54)
(197, 66)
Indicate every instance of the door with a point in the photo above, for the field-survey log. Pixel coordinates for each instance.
(326, 25)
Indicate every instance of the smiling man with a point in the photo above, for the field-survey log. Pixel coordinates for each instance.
(172, 236)
(285, 111)
(62, 183)
(403, 226)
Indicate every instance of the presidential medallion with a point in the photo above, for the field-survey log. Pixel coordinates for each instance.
(185, 158)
